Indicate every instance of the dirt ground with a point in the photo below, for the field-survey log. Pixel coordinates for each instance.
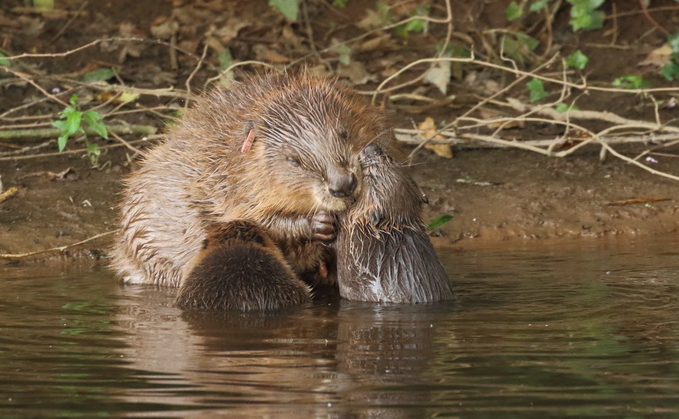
(495, 196)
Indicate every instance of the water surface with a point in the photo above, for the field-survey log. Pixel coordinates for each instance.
(583, 330)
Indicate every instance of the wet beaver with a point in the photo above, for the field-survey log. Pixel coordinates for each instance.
(383, 251)
(240, 268)
(280, 151)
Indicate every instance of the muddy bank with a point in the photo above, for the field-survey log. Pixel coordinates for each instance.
(496, 197)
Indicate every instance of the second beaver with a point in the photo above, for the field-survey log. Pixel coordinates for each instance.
(240, 268)
(383, 251)
(280, 151)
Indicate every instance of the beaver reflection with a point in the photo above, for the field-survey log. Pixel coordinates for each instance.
(346, 354)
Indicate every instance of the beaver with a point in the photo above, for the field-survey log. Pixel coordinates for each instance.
(383, 251)
(240, 268)
(281, 151)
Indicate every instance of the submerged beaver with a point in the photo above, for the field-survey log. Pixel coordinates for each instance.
(383, 251)
(240, 268)
(279, 151)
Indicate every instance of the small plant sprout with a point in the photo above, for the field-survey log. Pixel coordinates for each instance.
(71, 123)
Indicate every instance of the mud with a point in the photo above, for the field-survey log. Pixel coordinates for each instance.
(497, 196)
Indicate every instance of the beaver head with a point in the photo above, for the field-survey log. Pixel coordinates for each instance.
(391, 197)
(311, 134)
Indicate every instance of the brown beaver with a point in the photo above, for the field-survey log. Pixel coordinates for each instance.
(279, 150)
(383, 251)
(240, 268)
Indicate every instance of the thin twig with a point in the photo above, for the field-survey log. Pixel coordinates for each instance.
(53, 249)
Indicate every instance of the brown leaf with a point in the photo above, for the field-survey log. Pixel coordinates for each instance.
(659, 57)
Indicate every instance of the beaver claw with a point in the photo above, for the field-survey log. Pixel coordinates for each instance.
(323, 227)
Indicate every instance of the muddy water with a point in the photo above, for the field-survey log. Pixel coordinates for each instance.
(582, 330)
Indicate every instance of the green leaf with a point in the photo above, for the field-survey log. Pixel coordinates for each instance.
(73, 101)
(72, 122)
(3, 61)
(344, 54)
(61, 142)
(225, 59)
(438, 222)
(670, 70)
(340, 3)
(513, 11)
(94, 120)
(289, 8)
(102, 74)
(630, 81)
(673, 40)
(93, 149)
(538, 5)
(563, 107)
(577, 59)
(585, 18)
(383, 11)
(537, 90)
(586, 4)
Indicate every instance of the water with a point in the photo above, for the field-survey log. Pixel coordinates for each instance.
(585, 330)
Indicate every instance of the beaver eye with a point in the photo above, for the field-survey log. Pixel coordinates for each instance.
(344, 134)
(293, 161)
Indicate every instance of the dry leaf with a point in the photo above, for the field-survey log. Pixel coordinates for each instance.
(380, 42)
(355, 72)
(230, 29)
(439, 76)
(429, 129)
(372, 20)
(265, 54)
(442, 150)
(659, 57)
(165, 30)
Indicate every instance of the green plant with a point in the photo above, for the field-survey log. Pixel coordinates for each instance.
(563, 107)
(630, 81)
(415, 25)
(439, 221)
(584, 13)
(577, 60)
(340, 3)
(289, 8)
(537, 90)
(71, 122)
(671, 70)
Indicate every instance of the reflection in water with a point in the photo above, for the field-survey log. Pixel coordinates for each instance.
(535, 333)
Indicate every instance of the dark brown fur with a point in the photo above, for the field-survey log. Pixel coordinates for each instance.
(383, 251)
(240, 268)
(303, 165)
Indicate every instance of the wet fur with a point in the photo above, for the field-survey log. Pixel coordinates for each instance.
(240, 268)
(307, 130)
(383, 251)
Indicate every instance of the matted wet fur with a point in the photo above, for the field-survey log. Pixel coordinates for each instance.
(240, 268)
(280, 151)
(383, 251)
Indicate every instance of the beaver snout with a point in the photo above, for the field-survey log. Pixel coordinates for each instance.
(341, 185)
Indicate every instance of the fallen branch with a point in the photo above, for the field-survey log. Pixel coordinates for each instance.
(55, 132)
(80, 150)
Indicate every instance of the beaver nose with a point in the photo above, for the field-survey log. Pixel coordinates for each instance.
(342, 185)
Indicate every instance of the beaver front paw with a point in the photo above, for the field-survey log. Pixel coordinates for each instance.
(323, 227)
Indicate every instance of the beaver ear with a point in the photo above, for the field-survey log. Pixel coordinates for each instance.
(251, 136)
